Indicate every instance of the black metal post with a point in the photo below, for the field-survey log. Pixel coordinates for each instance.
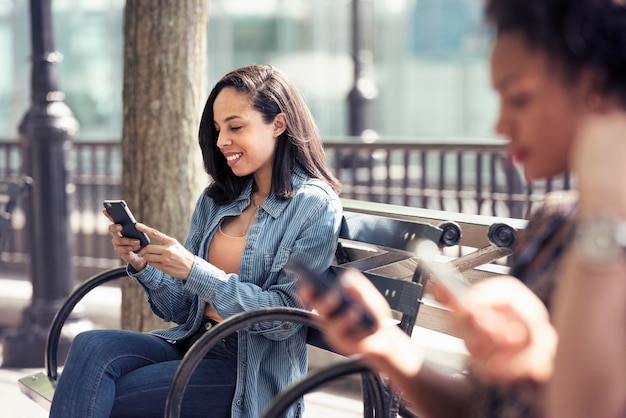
(364, 89)
(46, 132)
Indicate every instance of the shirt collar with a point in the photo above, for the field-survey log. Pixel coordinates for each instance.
(273, 205)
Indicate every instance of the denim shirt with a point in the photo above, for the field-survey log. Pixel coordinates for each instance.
(271, 354)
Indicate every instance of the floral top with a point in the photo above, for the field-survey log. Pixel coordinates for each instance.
(547, 233)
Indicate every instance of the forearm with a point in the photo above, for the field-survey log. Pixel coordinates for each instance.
(163, 294)
(590, 302)
(590, 317)
(429, 392)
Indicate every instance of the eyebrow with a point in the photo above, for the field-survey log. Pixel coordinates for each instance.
(229, 118)
(503, 83)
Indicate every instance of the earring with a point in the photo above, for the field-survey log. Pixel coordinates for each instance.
(594, 101)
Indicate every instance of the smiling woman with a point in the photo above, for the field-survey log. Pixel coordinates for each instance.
(245, 139)
(271, 201)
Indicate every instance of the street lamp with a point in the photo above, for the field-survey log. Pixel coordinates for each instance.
(364, 90)
(46, 132)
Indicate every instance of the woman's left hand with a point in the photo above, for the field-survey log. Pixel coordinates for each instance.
(507, 331)
(166, 253)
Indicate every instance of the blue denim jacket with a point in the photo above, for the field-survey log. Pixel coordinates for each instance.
(271, 355)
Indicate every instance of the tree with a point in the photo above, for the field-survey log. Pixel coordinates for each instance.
(164, 88)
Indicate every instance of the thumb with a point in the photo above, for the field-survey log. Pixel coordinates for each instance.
(154, 234)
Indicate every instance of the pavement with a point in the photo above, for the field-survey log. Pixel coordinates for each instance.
(336, 403)
(102, 308)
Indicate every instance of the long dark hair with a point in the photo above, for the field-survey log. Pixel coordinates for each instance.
(271, 93)
(575, 34)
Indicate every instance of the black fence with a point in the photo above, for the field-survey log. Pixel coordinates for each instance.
(459, 175)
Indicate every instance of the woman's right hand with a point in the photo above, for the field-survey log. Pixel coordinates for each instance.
(344, 331)
(124, 247)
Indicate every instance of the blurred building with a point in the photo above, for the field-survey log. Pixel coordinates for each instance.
(426, 58)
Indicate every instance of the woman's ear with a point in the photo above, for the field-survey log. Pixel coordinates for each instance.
(591, 82)
(280, 124)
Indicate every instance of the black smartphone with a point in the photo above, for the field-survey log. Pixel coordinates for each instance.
(327, 282)
(120, 213)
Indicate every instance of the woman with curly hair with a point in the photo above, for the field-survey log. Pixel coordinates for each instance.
(559, 68)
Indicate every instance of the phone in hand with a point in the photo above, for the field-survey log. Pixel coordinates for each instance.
(120, 213)
(323, 284)
(448, 277)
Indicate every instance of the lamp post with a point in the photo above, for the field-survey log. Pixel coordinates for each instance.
(46, 132)
(364, 90)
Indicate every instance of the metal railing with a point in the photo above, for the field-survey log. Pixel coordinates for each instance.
(459, 175)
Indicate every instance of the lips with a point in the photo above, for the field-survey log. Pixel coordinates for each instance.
(519, 156)
(232, 159)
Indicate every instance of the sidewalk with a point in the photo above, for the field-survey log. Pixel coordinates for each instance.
(14, 404)
(327, 404)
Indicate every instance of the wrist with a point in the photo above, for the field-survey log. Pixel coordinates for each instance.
(600, 239)
(395, 353)
(137, 267)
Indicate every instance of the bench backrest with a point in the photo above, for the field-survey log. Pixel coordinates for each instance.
(481, 240)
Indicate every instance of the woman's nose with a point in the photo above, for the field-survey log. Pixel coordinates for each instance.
(503, 125)
(222, 140)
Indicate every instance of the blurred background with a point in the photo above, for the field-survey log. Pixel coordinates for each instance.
(423, 62)
(400, 90)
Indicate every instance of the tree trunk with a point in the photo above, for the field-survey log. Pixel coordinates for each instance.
(164, 88)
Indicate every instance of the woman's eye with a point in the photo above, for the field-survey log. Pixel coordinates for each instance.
(235, 128)
(519, 101)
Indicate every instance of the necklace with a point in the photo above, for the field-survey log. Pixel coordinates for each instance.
(252, 216)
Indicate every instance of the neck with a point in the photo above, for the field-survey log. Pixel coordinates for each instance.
(259, 193)
(262, 185)
(257, 198)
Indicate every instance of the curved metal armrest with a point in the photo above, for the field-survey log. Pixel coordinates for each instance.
(54, 333)
(314, 380)
(201, 347)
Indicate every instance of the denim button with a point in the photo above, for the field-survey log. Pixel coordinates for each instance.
(239, 402)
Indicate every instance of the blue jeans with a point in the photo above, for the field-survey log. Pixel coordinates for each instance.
(116, 373)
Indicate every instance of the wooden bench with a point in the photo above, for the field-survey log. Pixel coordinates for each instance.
(393, 260)
(378, 239)
(488, 238)
(484, 239)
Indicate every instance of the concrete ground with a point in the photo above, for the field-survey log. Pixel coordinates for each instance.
(334, 403)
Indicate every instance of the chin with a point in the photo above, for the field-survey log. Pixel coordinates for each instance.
(239, 172)
(538, 174)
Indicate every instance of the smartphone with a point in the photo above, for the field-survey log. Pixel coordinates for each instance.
(120, 213)
(327, 282)
(448, 277)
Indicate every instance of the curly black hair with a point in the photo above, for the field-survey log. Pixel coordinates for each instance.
(578, 34)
